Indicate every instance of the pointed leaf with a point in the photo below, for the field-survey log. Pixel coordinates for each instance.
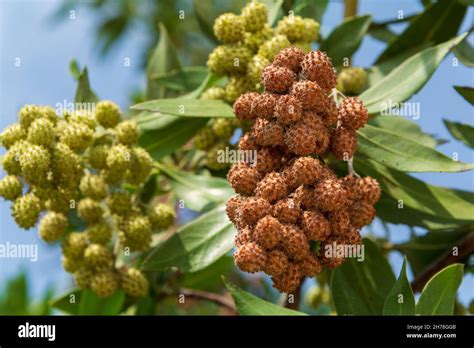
(84, 93)
(91, 304)
(422, 251)
(310, 8)
(465, 53)
(400, 300)
(439, 295)
(438, 23)
(165, 140)
(405, 128)
(248, 304)
(466, 92)
(406, 79)
(346, 38)
(433, 200)
(388, 209)
(196, 245)
(360, 288)
(273, 7)
(210, 81)
(402, 153)
(185, 79)
(461, 131)
(74, 69)
(187, 107)
(64, 304)
(197, 191)
(164, 59)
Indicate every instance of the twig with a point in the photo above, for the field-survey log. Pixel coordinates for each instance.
(350, 8)
(465, 248)
(350, 168)
(211, 297)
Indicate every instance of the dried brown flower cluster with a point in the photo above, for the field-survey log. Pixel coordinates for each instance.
(290, 205)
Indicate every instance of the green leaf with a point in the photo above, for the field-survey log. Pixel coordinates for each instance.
(197, 191)
(310, 8)
(187, 107)
(404, 127)
(346, 38)
(422, 251)
(84, 93)
(400, 300)
(210, 81)
(147, 120)
(461, 131)
(14, 296)
(185, 79)
(439, 294)
(377, 72)
(196, 245)
(438, 23)
(91, 304)
(164, 59)
(465, 52)
(360, 288)
(382, 33)
(442, 202)
(466, 92)
(273, 7)
(176, 132)
(74, 69)
(388, 210)
(68, 302)
(110, 30)
(208, 278)
(407, 79)
(402, 153)
(248, 304)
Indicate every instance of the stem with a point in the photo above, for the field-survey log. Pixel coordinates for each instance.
(465, 247)
(211, 297)
(350, 8)
(350, 168)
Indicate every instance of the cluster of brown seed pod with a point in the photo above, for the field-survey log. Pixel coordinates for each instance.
(290, 204)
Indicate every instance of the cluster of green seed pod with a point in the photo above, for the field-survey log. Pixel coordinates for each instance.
(352, 80)
(216, 136)
(83, 165)
(249, 44)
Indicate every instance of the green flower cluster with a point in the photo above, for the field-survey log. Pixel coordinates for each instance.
(215, 137)
(77, 165)
(249, 44)
(352, 81)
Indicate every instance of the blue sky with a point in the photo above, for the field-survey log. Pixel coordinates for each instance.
(46, 48)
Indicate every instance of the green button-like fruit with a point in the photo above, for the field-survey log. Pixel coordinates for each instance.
(162, 216)
(26, 210)
(52, 226)
(10, 187)
(107, 114)
(134, 283)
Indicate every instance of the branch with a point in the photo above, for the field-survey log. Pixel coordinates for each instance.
(211, 297)
(465, 248)
(350, 8)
